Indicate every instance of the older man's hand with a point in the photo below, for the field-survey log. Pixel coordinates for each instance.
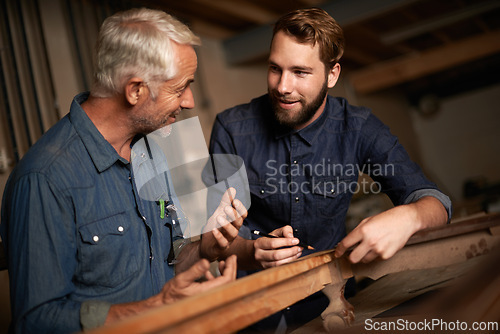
(223, 226)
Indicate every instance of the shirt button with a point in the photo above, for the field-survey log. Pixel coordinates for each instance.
(332, 191)
(143, 218)
(120, 228)
(295, 162)
(143, 155)
(296, 199)
(262, 191)
(95, 238)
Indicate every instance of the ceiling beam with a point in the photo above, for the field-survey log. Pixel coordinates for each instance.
(207, 29)
(246, 10)
(400, 70)
(312, 3)
(426, 26)
(359, 56)
(254, 44)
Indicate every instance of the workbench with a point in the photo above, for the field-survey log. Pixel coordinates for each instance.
(458, 260)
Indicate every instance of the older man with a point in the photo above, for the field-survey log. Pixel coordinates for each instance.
(84, 249)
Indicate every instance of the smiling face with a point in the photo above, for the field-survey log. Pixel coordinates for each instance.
(298, 81)
(173, 95)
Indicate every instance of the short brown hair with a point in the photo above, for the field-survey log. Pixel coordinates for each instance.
(314, 25)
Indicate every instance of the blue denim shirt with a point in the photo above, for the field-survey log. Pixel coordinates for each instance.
(77, 235)
(307, 178)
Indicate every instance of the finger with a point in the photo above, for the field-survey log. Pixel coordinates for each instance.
(228, 274)
(277, 254)
(231, 213)
(339, 250)
(349, 241)
(369, 257)
(228, 197)
(194, 272)
(209, 276)
(220, 238)
(230, 231)
(222, 221)
(236, 212)
(222, 265)
(269, 264)
(240, 208)
(233, 216)
(229, 268)
(287, 231)
(359, 252)
(275, 243)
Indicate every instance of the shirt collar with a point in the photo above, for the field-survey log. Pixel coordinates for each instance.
(100, 150)
(310, 132)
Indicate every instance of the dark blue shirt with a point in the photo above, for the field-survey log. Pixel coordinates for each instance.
(307, 178)
(77, 235)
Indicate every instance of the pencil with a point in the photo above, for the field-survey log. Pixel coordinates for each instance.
(262, 234)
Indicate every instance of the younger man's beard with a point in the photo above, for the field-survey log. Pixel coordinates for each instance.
(304, 115)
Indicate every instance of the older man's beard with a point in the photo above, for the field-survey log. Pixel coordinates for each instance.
(148, 124)
(304, 115)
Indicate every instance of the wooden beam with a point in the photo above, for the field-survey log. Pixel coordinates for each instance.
(472, 224)
(245, 301)
(458, 248)
(254, 44)
(406, 68)
(357, 55)
(238, 304)
(244, 10)
(206, 29)
(312, 3)
(436, 23)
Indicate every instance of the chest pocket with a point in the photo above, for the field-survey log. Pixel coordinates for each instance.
(107, 251)
(264, 196)
(332, 189)
(262, 190)
(268, 197)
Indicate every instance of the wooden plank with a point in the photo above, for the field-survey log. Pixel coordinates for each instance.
(466, 226)
(397, 71)
(394, 289)
(432, 254)
(455, 242)
(236, 305)
(247, 300)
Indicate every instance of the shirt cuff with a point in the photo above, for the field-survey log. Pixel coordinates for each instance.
(93, 313)
(179, 244)
(418, 194)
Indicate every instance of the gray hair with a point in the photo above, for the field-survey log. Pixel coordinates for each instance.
(138, 43)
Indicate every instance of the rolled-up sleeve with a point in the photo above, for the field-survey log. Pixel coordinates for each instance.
(389, 164)
(418, 194)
